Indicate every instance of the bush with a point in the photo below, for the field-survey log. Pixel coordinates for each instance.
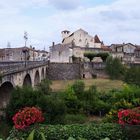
(20, 98)
(86, 131)
(75, 118)
(132, 76)
(44, 86)
(78, 88)
(129, 116)
(71, 101)
(114, 68)
(27, 116)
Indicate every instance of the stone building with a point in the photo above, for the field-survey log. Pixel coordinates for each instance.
(81, 38)
(60, 53)
(74, 45)
(127, 53)
(22, 54)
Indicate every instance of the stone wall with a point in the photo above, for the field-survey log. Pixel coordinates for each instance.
(91, 70)
(64, 71)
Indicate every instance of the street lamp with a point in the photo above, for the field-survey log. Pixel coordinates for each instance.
(25, 50)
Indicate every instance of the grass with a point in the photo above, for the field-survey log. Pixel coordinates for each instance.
(102, 84)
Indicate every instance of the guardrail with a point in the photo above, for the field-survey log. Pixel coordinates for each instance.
(15, 66)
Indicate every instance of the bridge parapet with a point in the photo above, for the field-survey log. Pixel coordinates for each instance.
(16, 66)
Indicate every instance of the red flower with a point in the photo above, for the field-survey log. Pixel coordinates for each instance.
(27, 116)
(129, 116)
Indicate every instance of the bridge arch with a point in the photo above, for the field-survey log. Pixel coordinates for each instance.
(42, 74)
(5, 92)
(27, 80)
(36, 78)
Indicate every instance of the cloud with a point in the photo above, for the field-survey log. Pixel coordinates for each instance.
(65, 4)
(116, 22)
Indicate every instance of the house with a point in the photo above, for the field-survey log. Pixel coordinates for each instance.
(22, 54)
(60, 53)
(127, 53)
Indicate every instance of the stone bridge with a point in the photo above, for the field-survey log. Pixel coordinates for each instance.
(20, 74)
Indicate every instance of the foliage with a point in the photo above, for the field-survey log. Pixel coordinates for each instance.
(71, 101)
(91, 55)
(20, 98)
(132, 75)
(85, 131)
(27, 116)
(114, 68)
(75, 118)
(78, 88)
(44, 86)
(129, 116)
(55, 110)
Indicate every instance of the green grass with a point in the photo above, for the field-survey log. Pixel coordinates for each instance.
(102, 84)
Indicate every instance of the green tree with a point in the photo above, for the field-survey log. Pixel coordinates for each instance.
(44, 86)
(78, 87)
(89, 55)
(114, 68)
(132, 76)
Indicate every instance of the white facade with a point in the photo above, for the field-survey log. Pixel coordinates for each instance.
(81, 38)
(60, 54)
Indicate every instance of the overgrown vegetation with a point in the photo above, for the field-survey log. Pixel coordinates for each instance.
(132, 75)
(114, 68)
(73, 106)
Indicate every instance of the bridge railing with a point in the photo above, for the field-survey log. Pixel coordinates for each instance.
(14, 66)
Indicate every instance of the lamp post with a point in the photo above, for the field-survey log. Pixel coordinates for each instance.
(25, 50)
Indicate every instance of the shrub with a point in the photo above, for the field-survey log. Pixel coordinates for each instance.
(71, 101)
(132, 76)
(20, 98)
(129, 116)
(44, 86)
(78, 87)
(75, 118)
(86, 131)
(123, 104)
(114, 68)
(27, 116)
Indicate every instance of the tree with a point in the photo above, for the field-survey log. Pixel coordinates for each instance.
(114, 68)
(89, 55)
(132, 76)
(44, 86)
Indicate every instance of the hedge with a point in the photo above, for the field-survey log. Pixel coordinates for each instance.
(63, 132)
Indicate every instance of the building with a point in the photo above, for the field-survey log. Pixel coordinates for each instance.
(127, 53)
(60, 53)
(81, 38)
(74, 45)
(22, 54)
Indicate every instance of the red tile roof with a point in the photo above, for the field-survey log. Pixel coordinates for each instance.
(96, 39)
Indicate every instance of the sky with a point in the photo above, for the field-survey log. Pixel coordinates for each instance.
(114, 21)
